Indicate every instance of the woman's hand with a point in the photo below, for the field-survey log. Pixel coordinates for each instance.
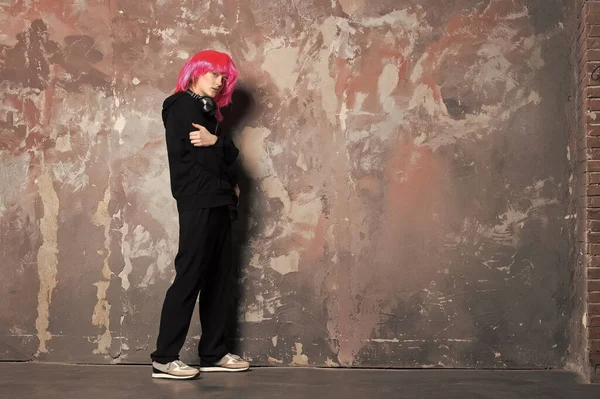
(202, 137)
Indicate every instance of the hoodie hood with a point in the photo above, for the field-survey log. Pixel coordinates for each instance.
(169, 101)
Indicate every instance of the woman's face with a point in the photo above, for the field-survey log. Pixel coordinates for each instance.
(210, 84)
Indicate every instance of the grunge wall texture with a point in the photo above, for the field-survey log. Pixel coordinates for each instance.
(407, 175)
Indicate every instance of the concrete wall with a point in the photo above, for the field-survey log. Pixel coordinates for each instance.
(406, 177)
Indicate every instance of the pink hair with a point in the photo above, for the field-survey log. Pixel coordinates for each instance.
(209, 61)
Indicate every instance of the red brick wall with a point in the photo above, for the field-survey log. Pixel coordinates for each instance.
(589, 89)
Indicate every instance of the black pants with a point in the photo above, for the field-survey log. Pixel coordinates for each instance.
(203, 265)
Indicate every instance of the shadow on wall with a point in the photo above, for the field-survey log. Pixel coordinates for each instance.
(234, 120)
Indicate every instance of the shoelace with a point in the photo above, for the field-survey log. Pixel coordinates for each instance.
(180, 363)
(234, 357)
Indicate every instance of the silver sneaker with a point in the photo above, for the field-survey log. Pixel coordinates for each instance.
(229, 362)
(175, 370)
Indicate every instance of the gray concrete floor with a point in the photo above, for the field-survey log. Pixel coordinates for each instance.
(49, 381)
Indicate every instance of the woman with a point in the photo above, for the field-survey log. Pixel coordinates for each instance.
(204, 186)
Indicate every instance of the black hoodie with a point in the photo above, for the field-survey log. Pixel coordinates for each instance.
(201, 177)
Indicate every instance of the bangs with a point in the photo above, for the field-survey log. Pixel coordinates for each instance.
(224, 69)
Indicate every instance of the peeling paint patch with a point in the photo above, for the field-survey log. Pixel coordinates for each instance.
(262, 309)
(72, 174)
(388, 80)
(101, 318)
(120, 124)
(253, 152)
(402, 18)
(256, 158)
(47, 258)
(12, 170)
(135, 244)
(286, 263)
(330, 363)
(305, 213)
(280, 63)
(274, 362)
(301, 163)
(101, 315)
(273, 187)
(299, 359)
(215, 30)
(126, 251)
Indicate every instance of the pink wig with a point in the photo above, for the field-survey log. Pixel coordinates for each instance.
(209, 61)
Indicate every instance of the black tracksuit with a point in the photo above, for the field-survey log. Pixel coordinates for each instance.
(202, 183)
